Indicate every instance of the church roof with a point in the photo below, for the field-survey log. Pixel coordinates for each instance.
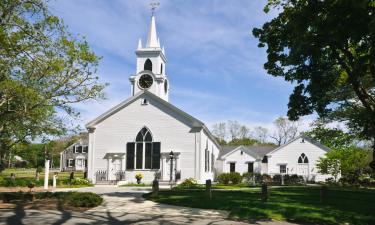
(305, 138)
(258, 152)
(195, 122)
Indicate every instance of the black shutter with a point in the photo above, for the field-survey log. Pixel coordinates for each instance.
(85, 162)
(148, 155)
(130, 155)
(67, 163)
(156, 155)
(139, 156)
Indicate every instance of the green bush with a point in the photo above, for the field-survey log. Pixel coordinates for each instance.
(252, 178)
(83, 199)
(189, 183)
(265, 178)
(39, 169)
(235, 178)
(276, 179)
(79, 181)
(223, 178)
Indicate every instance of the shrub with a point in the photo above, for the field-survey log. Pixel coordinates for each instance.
(276, 179)
(83, 199)
(39, 169)
(265, 178)
(79, 181)
(223, 178)
(138, 176)
(189, 183)
(235, 178)
(249, 177)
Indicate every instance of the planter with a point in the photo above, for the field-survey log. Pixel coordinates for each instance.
(138, 181)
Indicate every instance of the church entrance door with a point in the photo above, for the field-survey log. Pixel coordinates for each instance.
(115, 168)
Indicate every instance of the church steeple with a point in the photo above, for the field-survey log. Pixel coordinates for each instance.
(151, 65)
(152, 38)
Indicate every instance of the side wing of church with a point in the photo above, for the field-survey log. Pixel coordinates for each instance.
(145, 133)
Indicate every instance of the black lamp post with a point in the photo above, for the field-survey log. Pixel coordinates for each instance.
(171, 171)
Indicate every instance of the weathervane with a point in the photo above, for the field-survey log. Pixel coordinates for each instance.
(153, 6)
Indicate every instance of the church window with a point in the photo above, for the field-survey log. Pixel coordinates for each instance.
(143, 153)
(303, 158)
(282, 168)
(212, 161)
(161, 68)
(232, 167)
(148, 65)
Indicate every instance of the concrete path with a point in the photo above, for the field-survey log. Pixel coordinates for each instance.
(123, 205)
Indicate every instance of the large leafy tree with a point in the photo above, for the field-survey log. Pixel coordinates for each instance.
(327, 49)
(334, 138)
(44, 70)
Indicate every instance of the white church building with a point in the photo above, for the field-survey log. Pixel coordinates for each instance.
(145, 134)
(139, 134)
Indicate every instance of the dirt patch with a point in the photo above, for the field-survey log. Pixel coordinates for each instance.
(23, 189)
(41, 204)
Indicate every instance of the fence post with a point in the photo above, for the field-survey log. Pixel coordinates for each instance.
(155, 188)
(13, 176)
(323, 193)
(264, 192)
(208, 189)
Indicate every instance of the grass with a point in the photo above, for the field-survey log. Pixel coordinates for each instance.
(136, 185)
(30, 173)
(296, 204)
(25, 176)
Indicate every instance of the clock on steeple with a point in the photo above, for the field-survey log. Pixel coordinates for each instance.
(150, 72)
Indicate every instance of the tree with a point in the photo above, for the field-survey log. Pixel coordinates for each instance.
(326, 48)
(260, 134)
(234, 129)
(244, 132)
(285, 130)
(331, 137)
(219, 131)
(44, 70)
(345, 161)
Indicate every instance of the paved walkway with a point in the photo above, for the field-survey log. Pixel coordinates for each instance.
(123, 205)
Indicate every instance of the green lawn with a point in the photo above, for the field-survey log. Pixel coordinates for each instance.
(30, 173)
(298, 204)
(25, 176)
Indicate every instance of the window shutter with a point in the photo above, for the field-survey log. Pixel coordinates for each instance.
(148, 154)
(130, 147)
(74, 162)
(85, 162)
(67, 163)
(139, 156)
(155, 155)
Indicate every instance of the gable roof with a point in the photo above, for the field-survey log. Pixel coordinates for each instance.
(195, 122)
(258, 152)
(306, 138)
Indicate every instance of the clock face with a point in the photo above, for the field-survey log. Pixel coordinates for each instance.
(145, 81)
(166, 86)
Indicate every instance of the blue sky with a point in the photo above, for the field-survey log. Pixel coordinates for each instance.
(214, 65)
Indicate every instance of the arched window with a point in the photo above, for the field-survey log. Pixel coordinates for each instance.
(143, 153)
(161, 68)
(303, 159)
(148, 65)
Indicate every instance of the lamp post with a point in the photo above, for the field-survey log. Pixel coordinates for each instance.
(46, 167)
(171, 169)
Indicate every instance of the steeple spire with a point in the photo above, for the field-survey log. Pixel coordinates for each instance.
(152, 38)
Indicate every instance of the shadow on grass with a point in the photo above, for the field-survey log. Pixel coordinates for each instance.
(295, 204)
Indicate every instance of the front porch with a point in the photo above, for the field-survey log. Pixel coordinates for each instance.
(117, 172)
